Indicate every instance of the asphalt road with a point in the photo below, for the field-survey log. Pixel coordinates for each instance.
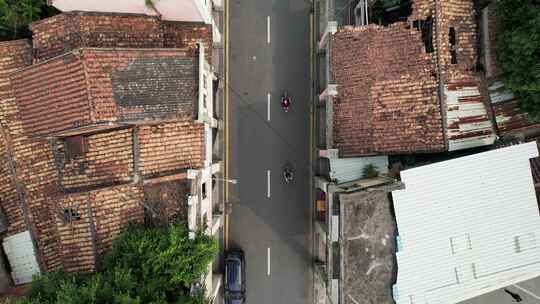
(273, 231)
(529, 291)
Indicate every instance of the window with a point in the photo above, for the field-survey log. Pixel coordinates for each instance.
(203, 190)
(426, 27)
(75, 147)
(427, 34)
(453, 41)
(71, 214)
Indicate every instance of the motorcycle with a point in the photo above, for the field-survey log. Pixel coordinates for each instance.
(288, 173)
(285, 102)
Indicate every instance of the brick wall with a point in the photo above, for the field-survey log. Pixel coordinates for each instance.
(459, 14)
(492, 28)
(117, 30)
(171, 147)
(108, 160)
(13, 55)
(62, 33)
(55, 36)
(187, 34)
(75, 237)
(112, 209)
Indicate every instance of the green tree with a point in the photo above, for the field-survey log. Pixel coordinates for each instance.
(146, 265)
(518, 51)
(16, 15)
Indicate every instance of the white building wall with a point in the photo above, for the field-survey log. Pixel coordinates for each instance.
(172, 10)
(21, 256)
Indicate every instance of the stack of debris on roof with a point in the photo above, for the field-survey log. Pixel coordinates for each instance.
(97, 127)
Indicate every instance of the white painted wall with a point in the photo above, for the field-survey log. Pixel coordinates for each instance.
(172, 10)
(21, 256)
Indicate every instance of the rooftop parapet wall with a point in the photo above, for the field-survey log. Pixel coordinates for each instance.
(63, 33)
(460, 15)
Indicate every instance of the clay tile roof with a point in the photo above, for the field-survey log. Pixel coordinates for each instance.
(387, 92)
(92, 86)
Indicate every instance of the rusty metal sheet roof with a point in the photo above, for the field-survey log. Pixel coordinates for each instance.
(508, 115)
(468, 122)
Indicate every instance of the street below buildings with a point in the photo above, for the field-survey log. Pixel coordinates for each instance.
(269, 53)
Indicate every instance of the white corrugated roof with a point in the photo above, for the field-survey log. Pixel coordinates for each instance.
(467, 226)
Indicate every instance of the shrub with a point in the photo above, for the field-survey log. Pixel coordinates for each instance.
(518, 51)
(164, 258)
(370, 171)
(145, 265)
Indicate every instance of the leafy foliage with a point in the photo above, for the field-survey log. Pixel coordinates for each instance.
(16, 15)
(146, 265)
(518, 51)
(163, 258)
(370, 171)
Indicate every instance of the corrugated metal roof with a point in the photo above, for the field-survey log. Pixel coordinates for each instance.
(508, 115)
(467, 226)
(468, 122)
(344, 170)
(535, 162)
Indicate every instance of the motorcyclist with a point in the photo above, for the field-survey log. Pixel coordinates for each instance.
(288, 174)
(285, 102)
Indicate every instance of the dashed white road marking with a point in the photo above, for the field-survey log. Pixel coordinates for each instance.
(268, 183)
(268, 269)
(268, 106)
(268, 29)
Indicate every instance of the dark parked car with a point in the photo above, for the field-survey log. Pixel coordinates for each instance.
(235, 277)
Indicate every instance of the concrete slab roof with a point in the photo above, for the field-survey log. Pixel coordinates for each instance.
(367, 247)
